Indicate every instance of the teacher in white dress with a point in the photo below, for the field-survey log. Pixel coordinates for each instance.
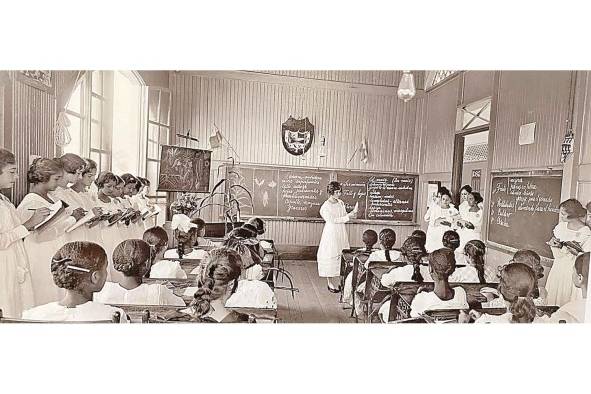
(334, 236)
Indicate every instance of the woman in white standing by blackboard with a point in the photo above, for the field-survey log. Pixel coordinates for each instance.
(334, 236)
(441, 215)
(570, 234)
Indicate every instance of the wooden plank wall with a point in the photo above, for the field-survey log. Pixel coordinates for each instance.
(531, 96)
(249, 114)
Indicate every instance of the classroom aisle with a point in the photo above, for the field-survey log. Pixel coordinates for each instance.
(313, 303)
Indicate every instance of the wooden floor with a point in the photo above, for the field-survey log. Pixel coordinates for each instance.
(313, 303)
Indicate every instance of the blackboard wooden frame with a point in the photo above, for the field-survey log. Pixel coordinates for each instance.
(333, 173)
(545, 172)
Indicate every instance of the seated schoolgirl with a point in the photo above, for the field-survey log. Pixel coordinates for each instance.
(574, 311)
(157, 239)
(413, 251)
(242, 241)
(451, 240)
(473, 272)
(132, 259)
(200, 239)
(441, 265)
(532, 260)
(516, 286)
(257, 227)
(387, 240)
(81, 269)
(185, 234)
(421, 236)
(217, 283)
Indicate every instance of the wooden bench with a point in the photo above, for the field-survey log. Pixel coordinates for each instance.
(116, 319)
(403, 293)
(374, 292)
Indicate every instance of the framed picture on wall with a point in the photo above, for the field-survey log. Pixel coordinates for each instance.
(40, 79)
(432, 189)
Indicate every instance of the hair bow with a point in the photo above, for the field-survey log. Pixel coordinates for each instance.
(182, 222)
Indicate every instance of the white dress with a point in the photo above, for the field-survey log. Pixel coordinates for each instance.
(467, 234)
(74, 202)
(429, 301)
(505, 318)
(89, 312)
(463, 208)
(252, 294)
(144, 294)
(110, 236)
(559, 285)
(16, 285)
(571, 312)
(167, 269)
(198, 254)
(467, 274)
(334, 238)
(41, 246)
(435, 231)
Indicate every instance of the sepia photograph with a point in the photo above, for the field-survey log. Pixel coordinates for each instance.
(373, 193)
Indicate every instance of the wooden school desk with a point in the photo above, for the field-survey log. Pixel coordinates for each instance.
(451, 315)
(403, 293)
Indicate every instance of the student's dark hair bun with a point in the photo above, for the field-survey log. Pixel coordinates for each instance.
(71, 162)
(130, 257)
(477, 197)
(467, 188)
(451, 239)
(421, 236)
(73, 255)
(258, 225)
(442, 262)
(388, 238)
(444, 191)
(42, 169)
(573, 208)
(369, 238)
(6, 158)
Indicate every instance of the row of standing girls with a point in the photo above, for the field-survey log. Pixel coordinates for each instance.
(442, 216)
(26, 271)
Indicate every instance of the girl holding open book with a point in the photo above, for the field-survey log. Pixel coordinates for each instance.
(16, 286)
(44, 176)
(569, 232)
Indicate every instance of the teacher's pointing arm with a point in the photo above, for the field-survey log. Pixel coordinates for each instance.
(329, 216)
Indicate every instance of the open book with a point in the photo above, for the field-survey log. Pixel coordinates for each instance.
(85, 219)
(56, 209)
(148, 212)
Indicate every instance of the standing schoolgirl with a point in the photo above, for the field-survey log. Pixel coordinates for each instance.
(16, 286)
(470, 222)
(88, 200)
(44, 176)
(464, 204)
(571, 228)
(73, 166)
(441, 217)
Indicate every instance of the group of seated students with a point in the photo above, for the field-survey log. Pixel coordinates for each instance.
(64, 272)
(518, 290)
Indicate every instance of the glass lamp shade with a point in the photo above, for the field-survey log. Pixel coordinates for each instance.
(406, 88)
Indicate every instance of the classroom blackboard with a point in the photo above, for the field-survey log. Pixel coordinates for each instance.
(300, 192)
(184, 169)
(523, 211)
(389, 197)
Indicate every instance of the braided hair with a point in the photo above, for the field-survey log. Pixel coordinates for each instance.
(222, 268)
(387, 240)
(131, 257)
(73, 264)
(157, 238)
(414, 251)
(476, 249)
